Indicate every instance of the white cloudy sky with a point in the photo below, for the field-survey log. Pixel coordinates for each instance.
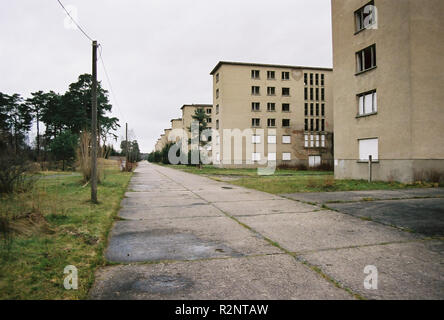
(158, 53)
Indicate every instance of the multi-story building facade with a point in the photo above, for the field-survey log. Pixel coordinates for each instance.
(388, 88)
(286, 109)
(188, 111)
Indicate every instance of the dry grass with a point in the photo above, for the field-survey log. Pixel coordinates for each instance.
(53, 226)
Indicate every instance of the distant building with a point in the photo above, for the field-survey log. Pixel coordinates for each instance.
(292, 104)
(388, 88)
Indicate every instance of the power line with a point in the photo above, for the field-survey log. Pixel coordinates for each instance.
(75, 22)
(108, 79)
(109, 83)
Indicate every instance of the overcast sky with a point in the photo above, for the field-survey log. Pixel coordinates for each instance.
(158, 53)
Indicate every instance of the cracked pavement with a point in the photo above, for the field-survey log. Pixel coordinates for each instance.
(184, 236)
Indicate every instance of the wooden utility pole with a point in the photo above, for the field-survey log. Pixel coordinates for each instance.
(94, 126)
(126, 144)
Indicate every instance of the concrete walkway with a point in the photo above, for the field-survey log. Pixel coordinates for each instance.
(184, 236)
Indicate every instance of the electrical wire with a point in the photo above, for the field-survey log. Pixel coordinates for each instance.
(75, 22)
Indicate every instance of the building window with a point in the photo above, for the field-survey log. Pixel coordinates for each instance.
(369, 147)
(255, 106)
(217, 124)
(311, 109)
(272, 156)
(367, 103)
(366, 59)
(306, 124)
(209, 120)
(317, 79)
(317, 94)
(285, 107)
(311, 79)
(217, 93)
(255, 74)
(286, 92)
(305, 79)
(285, 75)
(322, 79)
(255, 156)
(311, 125)
(271, 91)
(255, 91)
(306, 93)
(365, 17)
(323, 94)
(271, 139)
(306, 141)
(217, 109)
(317, 109)
(317, 125)
(217, 77)
(271, 106)
(271, 123)
(314, 161)
(323, 110)
(285, 123)
(322, 125)
(208, 111)
(306, 109)
(255, 122)
(255, 139)
(286, 139)
(271, 75)
(286, 156)
(323, 141)
(311, 93)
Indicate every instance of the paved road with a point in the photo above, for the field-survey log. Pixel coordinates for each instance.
(184, 236)
(418, 210)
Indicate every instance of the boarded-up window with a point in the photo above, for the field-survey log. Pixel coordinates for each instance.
(368, 147)
(255, 139)
(272, 139)
(314, 161)
(272, 157)
(286, 139)
(286, 156)
(256, 156)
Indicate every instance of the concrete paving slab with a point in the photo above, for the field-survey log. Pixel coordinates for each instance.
(405, 271)
(322, 230)
(225, 194)
(425, 216)
(145, 188)
(257, 278)
(155, 213)
(161, 202)
(263, 207)
(350, 196)
(182, 239)
(163, 195)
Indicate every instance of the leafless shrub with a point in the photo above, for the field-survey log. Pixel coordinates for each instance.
(16, 173)
(84, 158)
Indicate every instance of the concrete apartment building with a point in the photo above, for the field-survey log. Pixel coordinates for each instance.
(292, 104)
(388, 88)
(184, 122)
(188, 111)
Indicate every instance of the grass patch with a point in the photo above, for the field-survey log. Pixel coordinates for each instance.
(292, 181)
(53, 226)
